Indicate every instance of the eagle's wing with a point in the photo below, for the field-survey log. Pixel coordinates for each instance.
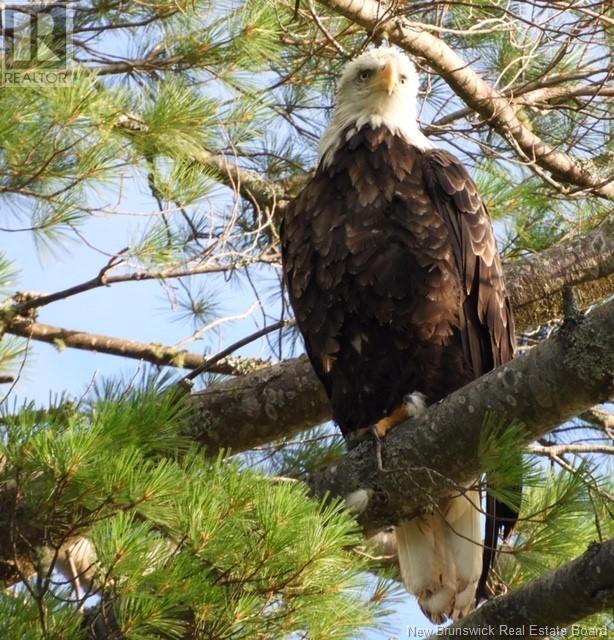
(487, 326)
(488, 330)
(309, 236)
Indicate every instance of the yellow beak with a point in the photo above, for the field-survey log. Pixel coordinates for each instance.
(387, 77)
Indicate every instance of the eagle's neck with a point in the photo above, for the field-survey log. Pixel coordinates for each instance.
(346, 122)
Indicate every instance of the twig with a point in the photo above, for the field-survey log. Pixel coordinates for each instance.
(556, 450)
(147, 351)
(213, 360)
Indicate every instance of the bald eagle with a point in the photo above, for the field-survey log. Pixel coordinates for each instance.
(393, 273)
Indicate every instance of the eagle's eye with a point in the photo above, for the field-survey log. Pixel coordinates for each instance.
(403, 79)
(365, 74)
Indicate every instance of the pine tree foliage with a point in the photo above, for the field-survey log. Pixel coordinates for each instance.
(563, 513)
(183, 545)
(183, 130)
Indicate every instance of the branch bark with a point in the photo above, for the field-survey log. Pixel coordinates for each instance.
(150, 352)
(574, 591)
(584, 262)
(475, 92)
(555, 381)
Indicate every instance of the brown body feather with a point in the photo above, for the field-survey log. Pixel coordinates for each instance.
(392, 270)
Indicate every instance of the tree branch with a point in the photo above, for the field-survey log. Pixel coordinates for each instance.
(555, 381)
(556, 450)
(601, 419)
(150, 352)
(494, 107)
(559, 378)
(263, 193)
(105, 279)
(574, 591)
(584, 262)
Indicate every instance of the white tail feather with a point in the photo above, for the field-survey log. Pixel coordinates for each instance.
(440, 556)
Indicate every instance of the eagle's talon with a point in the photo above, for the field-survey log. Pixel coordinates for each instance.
(378, 445)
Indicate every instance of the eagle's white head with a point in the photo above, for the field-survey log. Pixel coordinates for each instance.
(378, 88)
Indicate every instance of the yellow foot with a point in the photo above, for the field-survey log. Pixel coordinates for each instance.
(414, 404)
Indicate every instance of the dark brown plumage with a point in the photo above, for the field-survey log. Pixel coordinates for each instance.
(393, 273)
(392, 270)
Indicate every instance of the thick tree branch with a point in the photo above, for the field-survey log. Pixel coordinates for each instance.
(584, 262)
(528, 98)
(241, 414)
(476, 93)
(574, 591)
(555, 381)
